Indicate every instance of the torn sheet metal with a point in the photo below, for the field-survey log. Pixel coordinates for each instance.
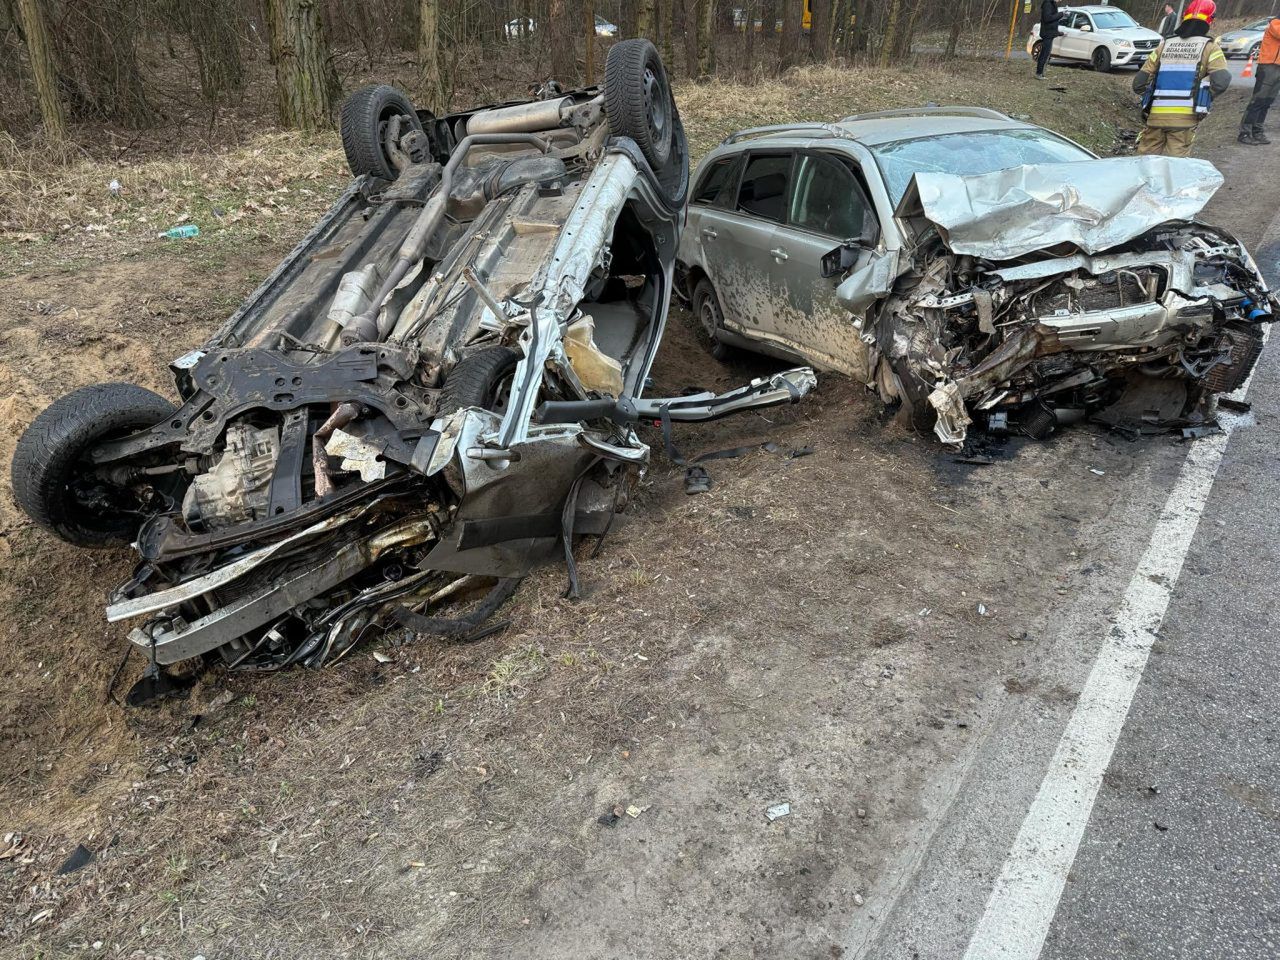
(1094, 206)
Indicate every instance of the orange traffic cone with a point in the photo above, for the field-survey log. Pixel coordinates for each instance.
(1248, 68)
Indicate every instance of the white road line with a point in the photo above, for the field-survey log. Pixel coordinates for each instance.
(1025, 897)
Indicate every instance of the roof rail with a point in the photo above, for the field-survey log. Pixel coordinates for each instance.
(930, 110)
(813, 128)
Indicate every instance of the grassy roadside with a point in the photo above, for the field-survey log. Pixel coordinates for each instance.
(54, 211)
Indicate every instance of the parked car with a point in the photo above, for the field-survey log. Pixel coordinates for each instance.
(439, 383)
(1245, 42)
(1103, 36)
(528, 26)
(973, 267)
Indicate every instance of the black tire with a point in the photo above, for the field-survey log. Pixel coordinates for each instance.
(710, 317)
(916, 411)
(478, 381)
(637, 99)
(50, 481)
(1255, 50)
(363, 123)
(1035, 50)
(1101, 59)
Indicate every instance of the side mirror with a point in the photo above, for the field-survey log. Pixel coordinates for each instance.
(837, 261)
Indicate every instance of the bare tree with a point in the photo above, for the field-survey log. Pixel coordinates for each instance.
(820, 29)
(589, 62)
(789, 52)
(210, 28)
(706, 39)
(306, 84)
(890, 38)
(560, 37)
(430, 78)
(667, 29)
(40, 55)
(647, 19)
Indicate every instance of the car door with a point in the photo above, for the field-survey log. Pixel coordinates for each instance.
(827, 209)
(735, 240)
(1071, 42)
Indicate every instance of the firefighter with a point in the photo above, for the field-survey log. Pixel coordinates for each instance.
(1179, 81)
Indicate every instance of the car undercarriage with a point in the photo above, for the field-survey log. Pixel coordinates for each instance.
(436, 389)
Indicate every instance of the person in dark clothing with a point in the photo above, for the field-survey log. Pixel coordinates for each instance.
(1050, 17)
(1169, 22)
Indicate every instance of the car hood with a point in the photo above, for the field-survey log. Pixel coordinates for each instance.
(1241, 35)
(1092, 205)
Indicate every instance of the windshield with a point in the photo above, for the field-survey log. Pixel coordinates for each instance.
(970, 153)
(1260, 25)
(1113, 20)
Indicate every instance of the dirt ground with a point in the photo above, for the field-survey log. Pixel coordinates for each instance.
(822, 629)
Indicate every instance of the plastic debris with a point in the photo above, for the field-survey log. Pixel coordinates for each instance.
(778, 811)
(80, 857)
(181, 233)
(1096, 472)
(633, 811)
(115, 187)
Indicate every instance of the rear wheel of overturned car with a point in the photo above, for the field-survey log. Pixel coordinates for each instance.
(482, 379)
(1101, 59)
(364, 122)
(58, 489)
(706, 307)
(637, 99)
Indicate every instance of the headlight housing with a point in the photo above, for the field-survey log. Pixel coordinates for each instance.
(1124, 44)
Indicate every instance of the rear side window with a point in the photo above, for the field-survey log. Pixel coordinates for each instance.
(713, 188)
(763, 192)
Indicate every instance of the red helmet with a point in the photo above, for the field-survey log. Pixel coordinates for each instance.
(1200, 10)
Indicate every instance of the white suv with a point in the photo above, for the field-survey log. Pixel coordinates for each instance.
(1103, 36)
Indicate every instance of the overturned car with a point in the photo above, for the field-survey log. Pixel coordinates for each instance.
(436, 389)
(975, 267)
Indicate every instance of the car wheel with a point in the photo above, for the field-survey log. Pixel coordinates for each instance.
(710, 316)
(916, 411)
(51, 481)
(1255, 50)
(482, 379)
(1101, 59)
(1035, 50)
(637, 99)
(363, 123)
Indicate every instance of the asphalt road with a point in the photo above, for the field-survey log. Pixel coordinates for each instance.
(1128, 807)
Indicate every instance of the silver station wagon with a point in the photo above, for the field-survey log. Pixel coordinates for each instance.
(972, 267)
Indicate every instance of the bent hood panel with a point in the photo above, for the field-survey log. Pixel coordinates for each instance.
(1093, 205)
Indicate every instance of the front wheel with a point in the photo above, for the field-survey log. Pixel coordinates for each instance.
(482, 379)
(1255, 50)
(637, 99)
(364, 122)
(1035, 50)
(54, 484)
(1101, 59)
(706, 307)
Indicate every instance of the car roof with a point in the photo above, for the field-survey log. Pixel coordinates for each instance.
(887, 126)
(1096, 8)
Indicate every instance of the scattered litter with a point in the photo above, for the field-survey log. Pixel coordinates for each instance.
(181, 233)
(80, 857)
(778, 811)
(1239, 406)
(610, 817)
(416, 863)
(381, 657)
(114, 187)
(1162, 827)
(1096, 472)
(696, 480)
(862, 813)
(982, 610)
(633, 811)
(1154, 788)
(799, 452)
(858, 900)
(1202, 430)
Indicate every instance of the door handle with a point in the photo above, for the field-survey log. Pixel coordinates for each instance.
(778, 254)
(709, 233)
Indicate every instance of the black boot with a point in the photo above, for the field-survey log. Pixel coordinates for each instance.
(1246, 137)
(1258, 135)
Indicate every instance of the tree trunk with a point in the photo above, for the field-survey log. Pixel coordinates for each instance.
(692, 26)
(792, 32)
(890, 38)
(40, 54)
(210, 27)
(647, 19)
(820, 30)
(749, 25)
(953, 35)
(666, 28)
(430, 77)
(306, 84)
(706, 39)
(560, 37)
(589, 21)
